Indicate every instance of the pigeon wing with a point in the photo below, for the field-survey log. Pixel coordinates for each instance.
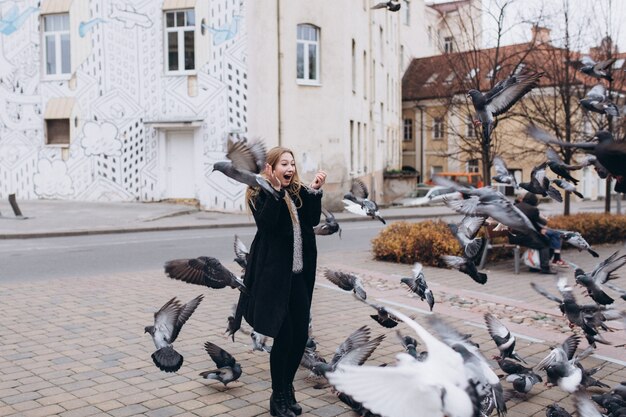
(500, 166)
(603, 65)
(470, 225)
(358, 338)
(185, 312)
(359, 189)
(165, 318)
(242, 158)
(360, 354)
(545, 293)
(598, 92)
(340, 279)
(219, 355)
(353, 207)
(553, 156)
(497, 330)
(190, 271)
(241, 251)
(512, 92)
(259, 154)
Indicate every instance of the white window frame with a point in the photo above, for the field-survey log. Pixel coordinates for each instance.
(181, 42)
(438, 123)
(407, 130)
(306, 45)
(406, 13)
(448, 44)
(57, 34)
(472, 132)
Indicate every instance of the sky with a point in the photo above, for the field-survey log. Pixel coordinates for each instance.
(589, 17)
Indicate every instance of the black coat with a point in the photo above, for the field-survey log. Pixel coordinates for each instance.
(534, 241)
(269, 272)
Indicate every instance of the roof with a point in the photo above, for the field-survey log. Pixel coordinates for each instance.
(445, 75)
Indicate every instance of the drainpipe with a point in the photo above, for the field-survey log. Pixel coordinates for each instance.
(421, 109)
(280, 76)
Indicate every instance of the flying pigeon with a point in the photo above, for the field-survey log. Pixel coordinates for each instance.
(413, 385)
(597, 101)
(204, 270)
(593, 287)
(505, 341)
(168, 322)
(347, 281)
(609, 153)
(410, 345)
(578, 241)
(567, 187)
(417, 284)
(382, 316)
(233, 326)
(503, 176)
(559, 167)
(562, 365)
(259, 342)
(466, 266)
(501, 98)
(597, 69)
(356, 201)
(466, 231)
(228, 370)
(246, 160)
(540, 183)
(392, 6)
(329, 227)
(241, 253)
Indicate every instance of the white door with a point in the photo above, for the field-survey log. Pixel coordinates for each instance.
(179, 165)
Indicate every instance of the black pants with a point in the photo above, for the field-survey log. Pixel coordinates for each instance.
(290, 341)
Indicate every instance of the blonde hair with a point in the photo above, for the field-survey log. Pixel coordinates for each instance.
(273, 157)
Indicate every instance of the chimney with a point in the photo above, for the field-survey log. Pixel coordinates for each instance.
(540, 35)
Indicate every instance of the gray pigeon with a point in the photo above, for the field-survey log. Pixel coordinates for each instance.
(523, 383)
(503, 176)
(330, 225)
(555, 410)
(228, 370)
(466, 231)
(567, 187)
(505, 341)
(347, 281)
(597, 69)
(246, 162)
(356, 201)
(204, 270)
(259, 342)
(501, 98)
(417, 284)
(540, 183)
(597, 101)
(578, 241)
(392, 6)
(466, 266)
(168, 322)
(241, 253)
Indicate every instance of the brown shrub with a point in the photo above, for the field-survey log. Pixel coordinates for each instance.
(596, 228)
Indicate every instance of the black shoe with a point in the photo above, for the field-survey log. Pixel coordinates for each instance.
(279, 407)
(534, 270)
(548, 272)
(291, 400)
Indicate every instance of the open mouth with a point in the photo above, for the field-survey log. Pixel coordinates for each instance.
(287, 177)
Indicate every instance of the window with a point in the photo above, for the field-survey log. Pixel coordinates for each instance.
(435, 169)
(448, 44)
(364, 74)
(406, 12)
(58, 132)
(438, 128)
(179, 41)
(56, 44)
(353, 66)
(308, 61)
(408, 130)
(471, 128)
(494, 72)
(472, 165)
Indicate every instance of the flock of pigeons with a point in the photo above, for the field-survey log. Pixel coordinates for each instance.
(450, 377)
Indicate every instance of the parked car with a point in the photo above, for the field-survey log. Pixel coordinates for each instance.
(424, 196)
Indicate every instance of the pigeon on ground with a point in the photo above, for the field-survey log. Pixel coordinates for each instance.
(584, 405)
(578, 241)
(567, 187)
(466, 266)
(382, 316)
(246, 160)
(597, 101)
(559, 167)
(356, 201)
(355, 406)
(523, 383)
(503, 176)
(347, 281)
(329, 227)
(168, 322)
(511, 367)
(413, 385)
(355, 350)
(392, 6)
(259, 342)
(609, 153)
(597, 69)
(485, 381)
(204, 270)
(466, 231)
(505, 341)
(417, 284)
(228, 370)
(561, 365)
(501, 98)
(556, 410)
(241, 253)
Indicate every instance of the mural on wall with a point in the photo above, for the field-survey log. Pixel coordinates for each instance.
(121, 93)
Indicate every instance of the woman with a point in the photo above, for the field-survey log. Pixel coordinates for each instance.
(281, 271)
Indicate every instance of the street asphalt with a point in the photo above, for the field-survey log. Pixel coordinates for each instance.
(76, 347)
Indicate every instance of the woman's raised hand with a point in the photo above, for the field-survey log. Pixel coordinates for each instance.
(320, 179)
(269, 174)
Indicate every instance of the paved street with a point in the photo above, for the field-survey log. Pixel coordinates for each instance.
(76, 347)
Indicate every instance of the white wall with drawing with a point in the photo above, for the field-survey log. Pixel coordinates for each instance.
(124, 103)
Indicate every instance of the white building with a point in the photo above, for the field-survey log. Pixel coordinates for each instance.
(107, 100)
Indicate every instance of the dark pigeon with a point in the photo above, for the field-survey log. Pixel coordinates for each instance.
(204, 270)
(556, 410)
(595, 69)
(356, 201)
(505, 341)
(168, 322)
(466, 231)
(417, 284)
(501, 98)
(228, 370)
(347, 281)
(540, 183)
(382, 316)
(559, 167)
(392, 6)
(466, 266)
(597, 101)
(246, 161)
(329, 227)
